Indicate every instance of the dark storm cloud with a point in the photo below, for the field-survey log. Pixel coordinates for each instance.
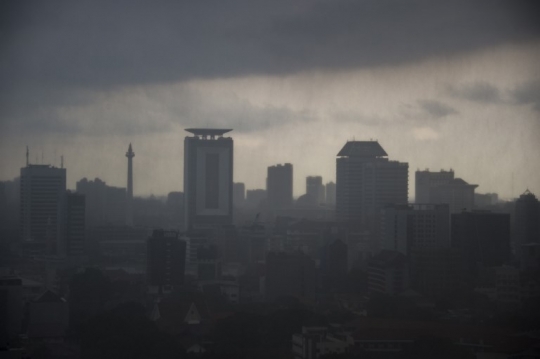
(528, 93)
(481, 91)
(107, 43)
(436, 109)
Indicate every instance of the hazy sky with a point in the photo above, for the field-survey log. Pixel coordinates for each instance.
(440, 84)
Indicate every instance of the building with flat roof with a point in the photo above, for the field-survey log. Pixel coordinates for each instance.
(279, 186)
(208, 178)
(367, 181)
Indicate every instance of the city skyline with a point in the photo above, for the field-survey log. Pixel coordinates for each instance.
(295, 81)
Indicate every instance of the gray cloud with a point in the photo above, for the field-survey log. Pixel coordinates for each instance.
(480, 91)
(109, 43)
(528, 93)
(436, 109)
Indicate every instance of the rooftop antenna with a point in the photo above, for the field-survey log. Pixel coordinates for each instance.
(27, 154)
(62, 161)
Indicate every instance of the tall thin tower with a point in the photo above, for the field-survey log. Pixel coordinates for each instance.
(129, 205)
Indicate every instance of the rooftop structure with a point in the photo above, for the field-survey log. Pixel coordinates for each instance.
(362, 149)
(208, 132)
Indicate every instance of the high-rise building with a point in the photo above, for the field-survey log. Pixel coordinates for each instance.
(208, 178)
(527, 219)
(419, 226)
(166, 260)
(42, 187)
(279, 186)
(442, 187)
(330, 192)
(367, 181)
(255, 197)
(315, 190)
(129, 203)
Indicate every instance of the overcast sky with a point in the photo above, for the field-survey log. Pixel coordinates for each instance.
(440, 84)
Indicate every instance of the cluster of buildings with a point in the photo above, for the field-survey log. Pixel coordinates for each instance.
(263, 244)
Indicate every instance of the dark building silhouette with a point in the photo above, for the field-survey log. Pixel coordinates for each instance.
(208, 263)
(527, 219)
(315, 191)
(104, 204)
(419, 226)
(388, 273)
(166, 260)
(290, 275)
(279, 186)
(175, 209)
(208, 178)
(367, 181)
(483, 239)
(442, 187)
(255, 197)
(330, 192)
(42, 187)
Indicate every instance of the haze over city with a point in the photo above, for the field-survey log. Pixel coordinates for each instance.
(438, 84)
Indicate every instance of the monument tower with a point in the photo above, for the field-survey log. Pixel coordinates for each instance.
(129, 200)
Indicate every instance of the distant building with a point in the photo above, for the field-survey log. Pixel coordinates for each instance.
(175, 209)
(330, 191)
(367, 181)
(442, 187)
(425, 180)
(239, 194)
(388, 273)
(420, 226)
(104, 204)
(334, 262)
(208, 178)
(129, 198)
(279, 186)
(42, 187)
(290, 275)
(166, 261)
(527, 219)
(315, 190)
(48, 318)
(255, 197)
(483, 239)
(11, 309)
(485, 200)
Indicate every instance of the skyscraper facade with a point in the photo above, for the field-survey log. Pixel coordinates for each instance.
(367, 181)
(279, 186)
(71, 233)
(208, 178)
(315, 190)
(527, 219)
(166, 260)
(42, 187)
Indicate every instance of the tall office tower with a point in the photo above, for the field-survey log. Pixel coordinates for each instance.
(71, 231)
(442, 187)
(208, 178)
(166, 261)
(330, 192)
(527, 219)
(483, 239)
(129, 200)
(255, 197)
(425, 180)
(405, 228)
(239, 194)
(279, 186)
(315, 191)
(367, 181)
(41, 189)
